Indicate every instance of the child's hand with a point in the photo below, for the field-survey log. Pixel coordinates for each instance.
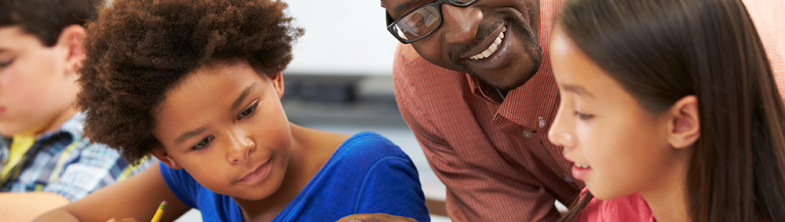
(375, 218)
(127, 219)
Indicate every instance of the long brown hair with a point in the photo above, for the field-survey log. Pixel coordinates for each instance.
(663, 50)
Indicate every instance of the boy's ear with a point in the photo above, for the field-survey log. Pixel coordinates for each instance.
(71, 40)
(160, 153)
(277, 81)
(685, 122)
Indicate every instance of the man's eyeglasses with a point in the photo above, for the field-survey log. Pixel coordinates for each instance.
(421, 21)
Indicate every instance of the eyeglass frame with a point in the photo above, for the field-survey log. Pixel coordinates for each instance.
(391, 22)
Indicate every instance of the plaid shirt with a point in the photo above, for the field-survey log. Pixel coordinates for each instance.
(65, 163)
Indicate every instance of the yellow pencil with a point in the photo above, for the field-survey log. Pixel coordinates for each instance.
(159, 212)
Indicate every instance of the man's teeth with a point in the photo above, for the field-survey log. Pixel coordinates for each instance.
(491, 49)
(581, 165)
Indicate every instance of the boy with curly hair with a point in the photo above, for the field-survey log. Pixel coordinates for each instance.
(45, 162)
(197, 84)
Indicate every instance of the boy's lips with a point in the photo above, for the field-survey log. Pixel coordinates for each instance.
(258, 173)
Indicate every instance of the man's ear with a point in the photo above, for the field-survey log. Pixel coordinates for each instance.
(685, 122)
(71, 41)
(277, 81)
(159, 152)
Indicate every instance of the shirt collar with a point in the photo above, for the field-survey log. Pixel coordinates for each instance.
(534, 102)
(72, 127)
(527, 105)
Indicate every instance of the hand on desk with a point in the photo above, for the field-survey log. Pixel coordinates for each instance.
(375, 218)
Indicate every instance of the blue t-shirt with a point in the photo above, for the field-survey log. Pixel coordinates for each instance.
(366, 174)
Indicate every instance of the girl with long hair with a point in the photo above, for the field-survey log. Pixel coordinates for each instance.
(671, 101)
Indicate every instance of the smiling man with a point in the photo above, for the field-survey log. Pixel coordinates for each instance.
(474, 83)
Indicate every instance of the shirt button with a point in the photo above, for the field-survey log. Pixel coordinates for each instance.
(528, 134)
(542, 121)
(567, 178)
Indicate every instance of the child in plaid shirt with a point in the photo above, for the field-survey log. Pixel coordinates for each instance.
(45, 162)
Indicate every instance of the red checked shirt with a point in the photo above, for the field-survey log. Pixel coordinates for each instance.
(493, 154)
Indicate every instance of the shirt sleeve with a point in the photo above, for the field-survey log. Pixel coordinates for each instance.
(91, 167)
(392, 186)
(473, 194)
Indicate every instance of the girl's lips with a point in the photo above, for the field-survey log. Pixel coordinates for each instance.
(579, 173)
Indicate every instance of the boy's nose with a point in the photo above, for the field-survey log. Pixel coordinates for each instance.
(240, 149)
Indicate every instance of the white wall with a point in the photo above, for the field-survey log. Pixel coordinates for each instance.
(341, 37)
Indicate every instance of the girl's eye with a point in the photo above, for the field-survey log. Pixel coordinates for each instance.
(247, 112)
(583, 116)
(203, 144)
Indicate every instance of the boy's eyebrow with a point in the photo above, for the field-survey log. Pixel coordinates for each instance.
(580, 90)
(242, 96)
(189, 134)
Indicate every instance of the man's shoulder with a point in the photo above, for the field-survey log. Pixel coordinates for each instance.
(416, 77)
(409, 63)
(406, 53)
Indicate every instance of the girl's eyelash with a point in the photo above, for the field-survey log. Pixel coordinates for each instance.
(248, 111)
(583, 116)
(204, 143)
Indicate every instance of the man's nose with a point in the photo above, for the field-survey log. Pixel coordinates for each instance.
(460, 24)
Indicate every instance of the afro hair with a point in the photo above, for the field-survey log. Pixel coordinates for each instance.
(137, 50)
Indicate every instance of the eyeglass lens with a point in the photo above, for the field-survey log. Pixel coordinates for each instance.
(421, 21)
(418, 23)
